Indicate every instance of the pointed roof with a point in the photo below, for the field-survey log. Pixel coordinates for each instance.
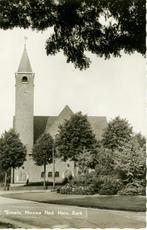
(24, 66)
(49, 124)
(65, 114)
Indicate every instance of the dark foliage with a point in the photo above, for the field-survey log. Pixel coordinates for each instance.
(73, 137)
(12, 151)
(105, 163)
(83, 180)
(134, 188)
(103, 27)
(42, 153)
(77, 189)
(141, 140)
(117, 134)
(110, 185)
(42, 150)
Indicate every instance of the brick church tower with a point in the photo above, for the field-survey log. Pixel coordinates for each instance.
(24, 110)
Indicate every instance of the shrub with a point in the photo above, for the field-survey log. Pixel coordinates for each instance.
(134, 188)
(66, 180)
(65, 189)
(143, 182)
(110, 185)
(84, 180)
(74, 189)
(102, 184)
(97, 183)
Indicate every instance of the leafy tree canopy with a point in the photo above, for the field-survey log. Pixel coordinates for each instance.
(86, 160)
(103, 27)
(130, 162)
(105, 163)
(42, 150)
(141, 140)
(117, 134)
(75, 136)
(12, 151)
(101, 160)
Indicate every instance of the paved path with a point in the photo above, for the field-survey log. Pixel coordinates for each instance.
(28, 214)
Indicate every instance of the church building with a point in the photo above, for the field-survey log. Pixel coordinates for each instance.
(30, 127)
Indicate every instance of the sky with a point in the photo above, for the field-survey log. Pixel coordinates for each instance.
(114, 87)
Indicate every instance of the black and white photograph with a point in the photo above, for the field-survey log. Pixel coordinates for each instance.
(72, 114)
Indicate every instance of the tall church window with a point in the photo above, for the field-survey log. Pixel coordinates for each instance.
(42, 174)
(24, 79)
(56, 174)
(49, 174)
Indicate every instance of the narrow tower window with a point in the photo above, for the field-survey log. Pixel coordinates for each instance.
(24, 79)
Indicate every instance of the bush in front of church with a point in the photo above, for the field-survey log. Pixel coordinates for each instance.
(90, 184)
(110, 186)
(133, 188)
(76, 189)
(83, 179)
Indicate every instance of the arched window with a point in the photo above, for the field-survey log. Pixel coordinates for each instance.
(42, 174)
(56, 174)
(24, 79)
(49, 174)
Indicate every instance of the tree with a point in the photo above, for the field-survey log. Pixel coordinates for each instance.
(2, 174)
(73, 137)
(85, 161)
(117, 134)
(101, 160)
(12, 152)
(141, 140)
(130, 162)
(102, 27)
(105, 163)
(43, 152)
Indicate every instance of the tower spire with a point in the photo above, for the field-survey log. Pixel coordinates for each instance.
(25, 66)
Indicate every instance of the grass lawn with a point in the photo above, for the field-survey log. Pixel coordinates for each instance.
(6, 225)
(127, 203)
(108, 202)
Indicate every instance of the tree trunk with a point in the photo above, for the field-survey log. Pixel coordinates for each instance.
(12, 175)
(5, 181)
(44, 182)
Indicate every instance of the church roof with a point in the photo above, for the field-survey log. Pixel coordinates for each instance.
(24, 66)
(40, 123)
(65, 114)
(49, 124)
